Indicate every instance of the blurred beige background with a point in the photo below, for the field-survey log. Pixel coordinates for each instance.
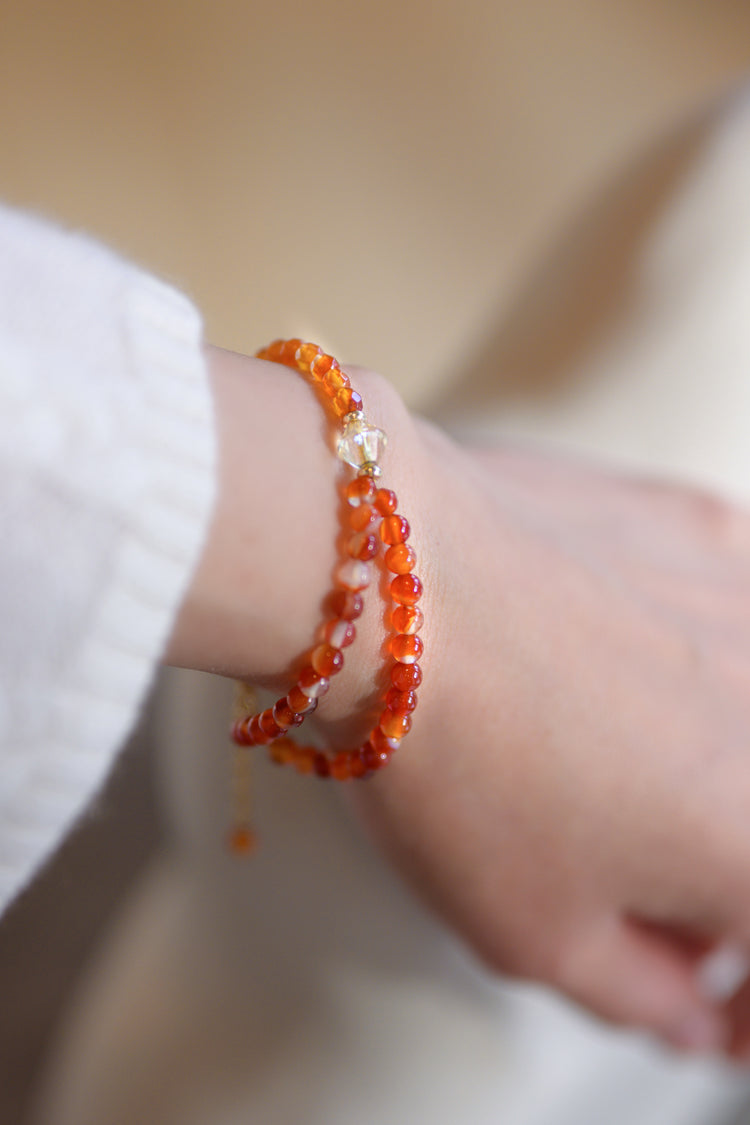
(376, 176)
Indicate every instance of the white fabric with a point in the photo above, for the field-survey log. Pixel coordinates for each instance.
(106, 455)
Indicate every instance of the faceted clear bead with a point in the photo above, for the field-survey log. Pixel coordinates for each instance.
(360, 442)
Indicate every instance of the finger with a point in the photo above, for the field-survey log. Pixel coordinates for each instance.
(635, 976)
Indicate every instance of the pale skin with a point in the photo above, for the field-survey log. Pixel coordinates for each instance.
(574, 798)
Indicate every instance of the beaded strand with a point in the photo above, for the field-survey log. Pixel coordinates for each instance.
(375, 530)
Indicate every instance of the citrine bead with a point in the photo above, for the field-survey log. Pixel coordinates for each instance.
(400, 701)
(346, 402)
(284, 716)
(307, 354)
(354, 574)
(401, 558)
(407, 619)
(347, 604)
(321, 765)
(364, 518)
(406, 589)
(339, 633)
(406, 677)
(335, 380)
(407, 648)
(242, 840)
(395, 725)
(300, 702)
(361, 490)
(288, 352)
(385, 501)
(321, 365)
(394, 529)
(326, 659)
(364, 546)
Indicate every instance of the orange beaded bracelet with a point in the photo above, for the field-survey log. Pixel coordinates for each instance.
(376, 528)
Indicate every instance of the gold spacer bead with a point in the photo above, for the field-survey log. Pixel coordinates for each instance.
(370, 469)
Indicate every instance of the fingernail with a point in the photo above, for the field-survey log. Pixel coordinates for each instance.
(699, 1031)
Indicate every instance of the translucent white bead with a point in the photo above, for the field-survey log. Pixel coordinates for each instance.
(360, 443)
(354, 574)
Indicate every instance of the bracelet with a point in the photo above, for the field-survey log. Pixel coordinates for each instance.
(375, 528)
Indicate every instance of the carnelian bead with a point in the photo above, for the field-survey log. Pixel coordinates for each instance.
(364, 546)
(326, 659)
(339, 633)
(347, 401)
(256, 733)
(241, 733)
(407, 648)
(363, 518)
(347, 604)
(361, 490)
(242, 840)
(303, 759)
(354, 574)
(268, 724)
(406, 589)
(382, 743)
(284, 716)
(400, 701)
(374, 759)
(394, 529)
(312, 683)
(335, 380)
(273, 352)
(395, 725)
(300, 702)
(400, 559)
(405, 677)
(322, 765)
(307, 354)
(341, 766)
(407, 619)
(357, 767)
(385, 501)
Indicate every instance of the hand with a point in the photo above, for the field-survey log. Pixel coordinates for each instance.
(574, 797)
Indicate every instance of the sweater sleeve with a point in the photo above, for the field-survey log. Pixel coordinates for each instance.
(106, 487)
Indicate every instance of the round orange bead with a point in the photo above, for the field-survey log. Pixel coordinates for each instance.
(347, 604)
(358, 768)
(400, 701)
(268, 724)
(312, 683)
(339, 633)
(341, 766)
(400, 559)
(395, 725)
(282, 752)
(321, 765)
(284, 716)
(406, 677)
(299, 702)
(363, 546)
(407, 619)
(364, 518)
(374, 759)
(385, 501)
(241, 732)
(326, 659)
(407, 648)
(361, 490)
(406, 589)
(394, 529)
(304, 759)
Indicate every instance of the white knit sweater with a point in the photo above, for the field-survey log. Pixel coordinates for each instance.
(106, 478)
